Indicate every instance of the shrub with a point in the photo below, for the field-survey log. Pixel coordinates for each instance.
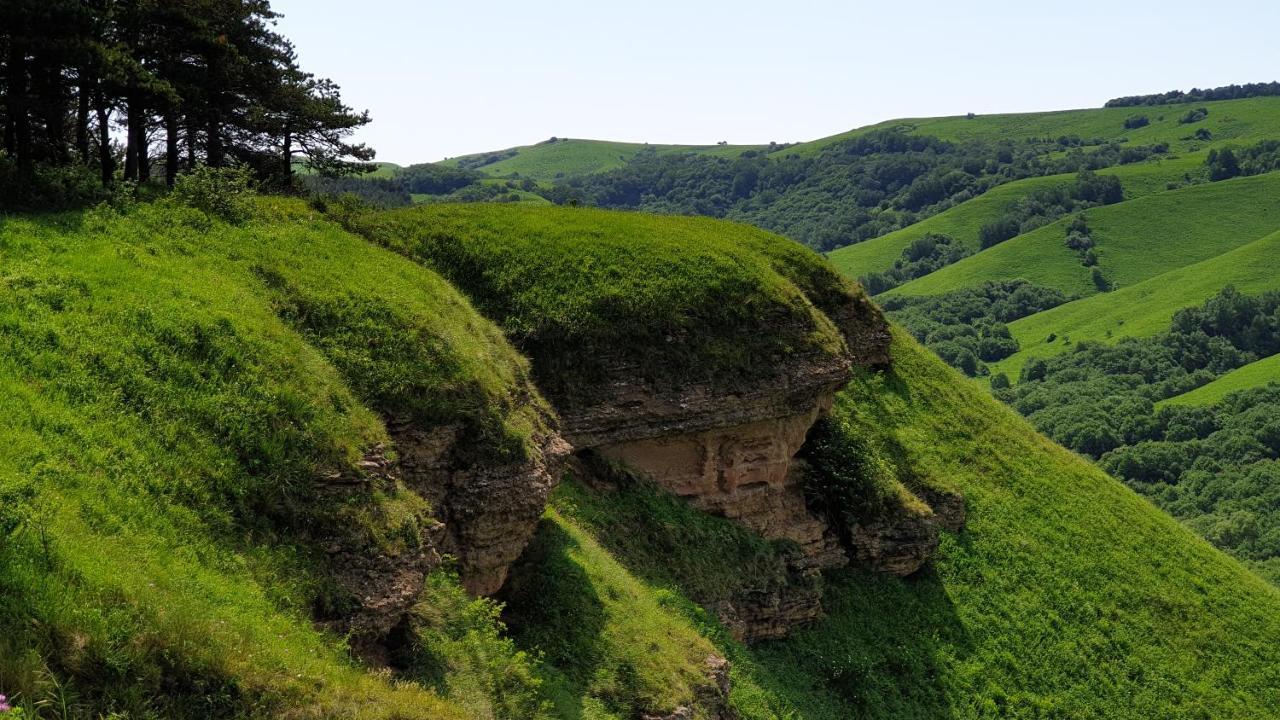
(997, 231)
(50, 188)
(1194, 116)
(1133, 122)
(224, 193)
(1100, 280)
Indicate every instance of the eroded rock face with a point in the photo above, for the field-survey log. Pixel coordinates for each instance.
(489, 512)
(731, 452)
(744, 473)
(712, 699)
(383, 582)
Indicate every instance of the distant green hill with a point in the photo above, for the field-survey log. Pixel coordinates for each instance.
(1145, 308)
(1235, 120)
(1257, 374)
(564, 157)
(963, 221)
(1137, 240)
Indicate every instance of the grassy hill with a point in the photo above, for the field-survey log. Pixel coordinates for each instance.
(173, 386)
(1143, 309)
(174, 391)
(1067, 595)
(1236, 120)
(963, 221)
(1256, 374)
(1137, 240)
(547, 160)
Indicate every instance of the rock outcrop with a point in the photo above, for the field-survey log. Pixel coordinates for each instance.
(381, 581)
(712, 700)
(482, 514)
(731, 452)
(489, 512)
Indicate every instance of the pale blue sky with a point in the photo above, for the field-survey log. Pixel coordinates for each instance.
(447, 78)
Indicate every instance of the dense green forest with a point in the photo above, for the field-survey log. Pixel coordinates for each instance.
(967, 328)
(1226, 92)
(187, 83)
(1213, 466)
(852, 190)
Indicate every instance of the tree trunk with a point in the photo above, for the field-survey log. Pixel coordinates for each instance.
(192, 124)
(108, 163)
(144, 147)
(132, 140)
(288, 158)
(18, 114)
(215, 153)
(171, 147)
(82, 121)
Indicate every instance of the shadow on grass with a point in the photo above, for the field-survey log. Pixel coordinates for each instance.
(552, 608)
(879, 653)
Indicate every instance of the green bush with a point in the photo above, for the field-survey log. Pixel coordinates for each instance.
(224, 193)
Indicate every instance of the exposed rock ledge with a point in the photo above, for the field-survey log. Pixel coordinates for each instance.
(731, 454)
(489, 512)
(484, 515)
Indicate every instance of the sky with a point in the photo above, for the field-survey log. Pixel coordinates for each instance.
(449, 78)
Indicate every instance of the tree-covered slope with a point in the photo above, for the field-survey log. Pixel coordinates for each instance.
(964, 221)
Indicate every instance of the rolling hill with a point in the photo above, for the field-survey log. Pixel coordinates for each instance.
(963, 221)
(1137, 239)
(1257, 374)
(1143, 309)
(1240, 121)
(563, 157)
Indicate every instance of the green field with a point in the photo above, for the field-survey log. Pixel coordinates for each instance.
(1255, 374)
(1240, 121)
(963, 221)
(1143, 309)
(1136, 240)
(547, 161)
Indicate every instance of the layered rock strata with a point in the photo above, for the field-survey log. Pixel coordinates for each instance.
(489, 512)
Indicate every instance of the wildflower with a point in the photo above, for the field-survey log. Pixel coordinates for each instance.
(4, 703)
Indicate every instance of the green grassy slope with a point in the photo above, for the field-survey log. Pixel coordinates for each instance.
(1255, 374)
(963, 221)
(1136, 240)
(1237, 120)
(173, 391)
(548, 161)
(681, 298)
(1143, 309)
(1066, 596)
